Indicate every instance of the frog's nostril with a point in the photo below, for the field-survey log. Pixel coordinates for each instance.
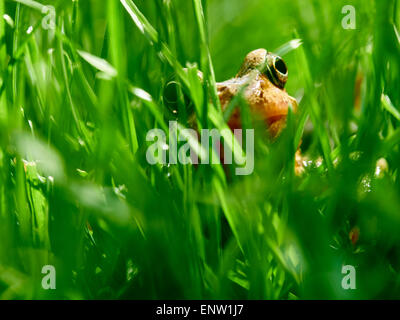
(280, 66)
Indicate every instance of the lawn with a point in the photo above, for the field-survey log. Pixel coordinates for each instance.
(83, 82)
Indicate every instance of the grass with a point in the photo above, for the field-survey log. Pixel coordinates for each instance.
(76, 191)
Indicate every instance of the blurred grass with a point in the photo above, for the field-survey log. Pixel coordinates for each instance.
(76, 191)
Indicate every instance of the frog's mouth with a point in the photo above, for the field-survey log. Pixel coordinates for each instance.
(278, 111)
(277, 118)
(276, 125)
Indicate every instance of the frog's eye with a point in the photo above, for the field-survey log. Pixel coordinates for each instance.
(277, 71)
(280, 66)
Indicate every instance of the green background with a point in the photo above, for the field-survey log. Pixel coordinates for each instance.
(76, 191)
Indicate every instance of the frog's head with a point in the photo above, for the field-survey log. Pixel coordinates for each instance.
(266, 63)
(266, 92)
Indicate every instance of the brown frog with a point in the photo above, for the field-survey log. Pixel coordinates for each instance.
(265, 75)
(261, 79)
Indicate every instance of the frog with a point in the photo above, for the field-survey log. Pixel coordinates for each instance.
(263, 75)
(261, 80)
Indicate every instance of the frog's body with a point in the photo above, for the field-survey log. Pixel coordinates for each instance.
(265, 76)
